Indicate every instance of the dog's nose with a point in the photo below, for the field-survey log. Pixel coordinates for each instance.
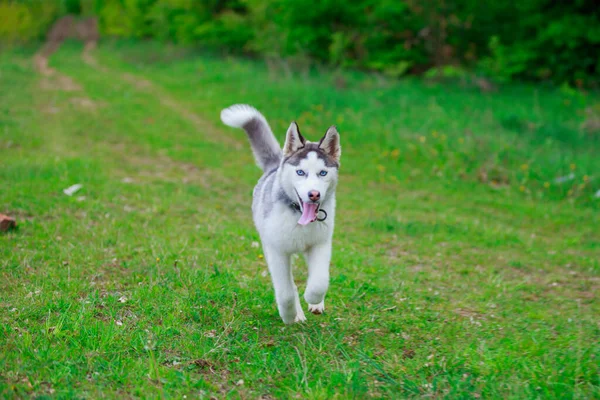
(314, 195)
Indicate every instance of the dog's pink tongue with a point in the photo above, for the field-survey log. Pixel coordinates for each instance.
(309, 213)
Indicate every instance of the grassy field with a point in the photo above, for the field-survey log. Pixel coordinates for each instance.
(462, 266)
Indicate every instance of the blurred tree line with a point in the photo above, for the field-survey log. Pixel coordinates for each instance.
(551, 40)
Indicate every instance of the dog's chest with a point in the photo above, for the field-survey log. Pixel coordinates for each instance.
(281, 229)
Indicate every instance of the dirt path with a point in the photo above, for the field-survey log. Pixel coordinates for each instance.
(52, 79)
(145, 86)
(87, 30)
(62, 29)
(155, 167)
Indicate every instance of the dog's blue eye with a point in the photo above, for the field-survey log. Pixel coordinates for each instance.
(300, 172)
(323, 173)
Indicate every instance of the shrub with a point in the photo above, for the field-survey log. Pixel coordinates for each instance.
(532, 40)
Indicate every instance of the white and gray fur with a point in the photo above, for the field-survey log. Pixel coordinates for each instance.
(275, 206)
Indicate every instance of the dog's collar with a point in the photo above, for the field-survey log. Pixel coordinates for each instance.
(295, 206)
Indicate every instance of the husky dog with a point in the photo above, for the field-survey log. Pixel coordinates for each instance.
(293, 206)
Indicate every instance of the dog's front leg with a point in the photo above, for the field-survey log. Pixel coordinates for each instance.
(286, 292)
(317, 258)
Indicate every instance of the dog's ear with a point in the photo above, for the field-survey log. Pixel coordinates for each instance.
(293, 140)
(330, 144)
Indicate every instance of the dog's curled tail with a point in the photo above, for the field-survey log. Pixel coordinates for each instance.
(264, 145)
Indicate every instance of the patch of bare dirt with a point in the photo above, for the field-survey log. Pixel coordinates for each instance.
(468, 313)
(65, 28)
(84, 103)
(139, 83)
(50, 109)
(40, 61)
(591, 124)
(60, 83)
(68, 27)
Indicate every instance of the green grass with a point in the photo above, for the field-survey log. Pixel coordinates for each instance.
(460, 268)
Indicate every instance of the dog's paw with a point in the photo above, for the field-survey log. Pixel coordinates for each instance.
(317, 308)
(300, 318)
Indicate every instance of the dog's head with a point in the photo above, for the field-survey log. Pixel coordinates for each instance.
(310, 170)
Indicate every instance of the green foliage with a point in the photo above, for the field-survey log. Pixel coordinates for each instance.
(26, 20)
(555, 41)
(534, 40)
